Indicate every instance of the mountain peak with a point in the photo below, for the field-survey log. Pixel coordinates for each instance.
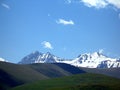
(35, 52)
(49, 54)
(90, 60)
(90, 55)
(37, 57)
(95, 60)
(96, 54)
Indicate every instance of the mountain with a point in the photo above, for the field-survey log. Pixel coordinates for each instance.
(2, 60)
(95, 60)
(89, 60)
(37, 57)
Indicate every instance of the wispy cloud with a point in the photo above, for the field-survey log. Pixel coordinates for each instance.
(5, 6)
(95, 3)
(72, 1)
(47, 45)
(101, 3)
(115, 3)
(65, 22)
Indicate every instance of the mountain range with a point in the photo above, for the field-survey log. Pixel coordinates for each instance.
(45, 68)
(88, 60)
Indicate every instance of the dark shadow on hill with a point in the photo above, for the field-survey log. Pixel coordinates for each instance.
(49, 69)
(70, 68)
(7, 81)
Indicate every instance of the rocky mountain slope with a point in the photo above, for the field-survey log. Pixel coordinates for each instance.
(89, 60)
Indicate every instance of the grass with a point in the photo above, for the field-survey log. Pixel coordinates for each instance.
(114, 72)
(49, 70)
(89, 87)
(43, 77)
(86, 81)
(21, 72)
(12, 75)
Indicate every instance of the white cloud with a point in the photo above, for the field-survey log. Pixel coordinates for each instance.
(115, 3)
(5, 6)
(47, 45)
(72, 1)
(95, 3)
(65, 22)
(101, 3)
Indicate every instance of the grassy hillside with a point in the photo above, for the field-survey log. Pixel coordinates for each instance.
(7, 80)
(21, 72)
(114, 72)
(70, 68)
(13, 74)
(85, 81)
(53, 70)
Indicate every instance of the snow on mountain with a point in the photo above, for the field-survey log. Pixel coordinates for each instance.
(47, 58)
(37, 57)
(89, 60)
(2, 60)
(95, 60)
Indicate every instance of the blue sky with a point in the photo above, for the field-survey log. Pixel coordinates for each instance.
(65, 28)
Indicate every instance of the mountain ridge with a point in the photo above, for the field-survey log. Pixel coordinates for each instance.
(89, 60)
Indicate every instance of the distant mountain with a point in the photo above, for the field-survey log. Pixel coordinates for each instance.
(37, 57)
(2, 60)
(89, 60)
(95, 60)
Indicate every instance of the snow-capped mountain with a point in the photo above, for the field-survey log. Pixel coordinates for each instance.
(89, 60)
(95, 60)
(37, 57)
(2, 60)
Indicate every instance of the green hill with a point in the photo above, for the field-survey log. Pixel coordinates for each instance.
(12, 75)
(114, 72)
(53, 70)
(85, 81)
